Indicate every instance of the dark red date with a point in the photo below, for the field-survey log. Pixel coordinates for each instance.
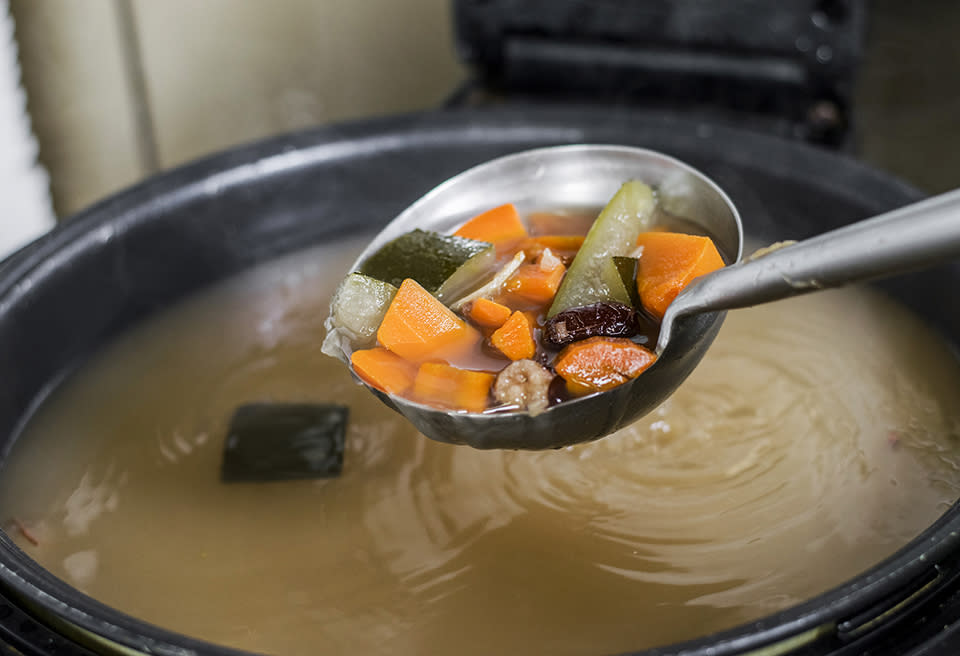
(605, 319)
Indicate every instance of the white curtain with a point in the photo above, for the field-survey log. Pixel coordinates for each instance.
(25, 208)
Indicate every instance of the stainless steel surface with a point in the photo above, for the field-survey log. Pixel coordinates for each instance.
(571, 176)
(909, 238)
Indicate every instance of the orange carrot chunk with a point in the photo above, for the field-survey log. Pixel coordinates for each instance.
(386, 371)
(437, 383)
(596, 364)
(418, 327)
(560, 223)
(668, 263)
(563, 246)
(537, 282)
(487, 313)
(515, 337)
(500, 226)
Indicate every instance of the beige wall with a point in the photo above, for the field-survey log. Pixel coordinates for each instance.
(70, 64)
(214, 73)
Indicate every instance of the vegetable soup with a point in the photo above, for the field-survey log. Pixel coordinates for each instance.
(508, 314)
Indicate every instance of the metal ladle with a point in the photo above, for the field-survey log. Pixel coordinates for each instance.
(587, 176)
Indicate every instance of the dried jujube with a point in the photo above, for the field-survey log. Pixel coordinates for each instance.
(604, 319)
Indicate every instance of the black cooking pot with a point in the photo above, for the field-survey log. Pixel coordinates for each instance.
(69, 293)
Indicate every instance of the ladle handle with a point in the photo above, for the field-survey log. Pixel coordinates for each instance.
(911, 237)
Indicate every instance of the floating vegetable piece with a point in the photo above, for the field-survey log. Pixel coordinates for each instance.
(668, 263)
(276, 442)
(418, 327)
(525, 385)
(25, 531)
(487, 313)
(500, 226)
(494, 285)
(460, 389)
(628, 268)
(563, 246)
(515, 337)
(444, 265)
(606, 285)
(593, 276)
(383, 369)
(538, 282)
(604, 319)
(356, 311)
(601, 363)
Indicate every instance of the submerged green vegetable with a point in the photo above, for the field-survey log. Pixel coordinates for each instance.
(445, 265)
(593, 276)
(284, 441)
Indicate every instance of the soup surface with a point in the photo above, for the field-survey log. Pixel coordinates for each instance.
(818, 436)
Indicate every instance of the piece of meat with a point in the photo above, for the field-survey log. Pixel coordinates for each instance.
(524, 384)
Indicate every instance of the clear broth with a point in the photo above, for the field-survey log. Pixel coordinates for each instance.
(818, 436)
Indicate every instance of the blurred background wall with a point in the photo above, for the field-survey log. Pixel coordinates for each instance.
(119, 89)
(908, 96)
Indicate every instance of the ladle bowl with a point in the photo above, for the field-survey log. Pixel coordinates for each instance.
(579, 176)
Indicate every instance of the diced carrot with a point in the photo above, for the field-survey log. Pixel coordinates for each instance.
(515, 337)
(487, 313)
(500, 226)
(564, 246)
(461, 389)
(383, 369)
(601, 363)
(577, 389)
(668, 263)
(561, 223)
(418, 327)
(537, 282)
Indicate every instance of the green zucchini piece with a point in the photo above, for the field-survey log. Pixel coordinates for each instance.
(284, 441)
(356, 312)
(445, 265)
(593, 277)
(627, 267)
